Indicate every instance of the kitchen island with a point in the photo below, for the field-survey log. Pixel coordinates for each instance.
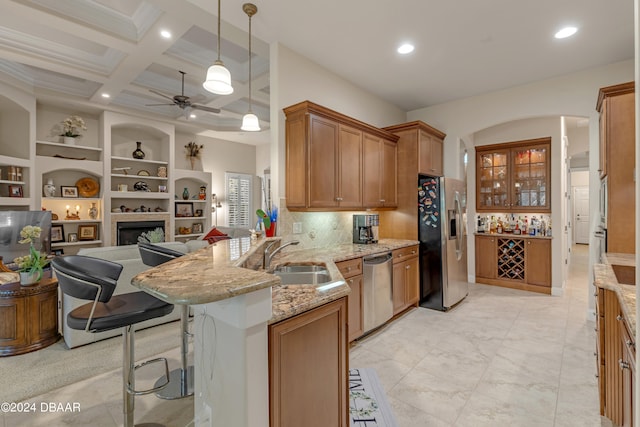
(235, 303)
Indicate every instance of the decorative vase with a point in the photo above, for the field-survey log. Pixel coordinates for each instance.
(202, 195)
(93, 211)
(185, 194)
(49, 189)
(28, 278)
(193, 162)
(138, 153)
(271, 231)
(69, 140)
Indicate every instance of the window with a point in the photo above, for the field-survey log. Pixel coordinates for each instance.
(239, 200)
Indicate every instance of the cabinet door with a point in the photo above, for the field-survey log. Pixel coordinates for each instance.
(308, 368)
(486, 257)
(530, 178)
(355, 302)
(492, 180)
(412, 281)
(43, 322)
(602, 161)
(323, 149)
(538, 262)
(372, 159)
(388, 187)
(430, 154)
(296, 160)
(628, 366)
(436, 156)
(13, 324)
(349, 167)
(399, 287)
(612, 353)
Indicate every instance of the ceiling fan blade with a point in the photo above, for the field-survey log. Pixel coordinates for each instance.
(157, 105)
(197, 98)
(205, 108)
(160, 94)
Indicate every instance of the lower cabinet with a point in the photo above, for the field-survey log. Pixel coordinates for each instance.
(406, 278)
(616, 354)
(308, 368)
(514, 262)
(351, 270)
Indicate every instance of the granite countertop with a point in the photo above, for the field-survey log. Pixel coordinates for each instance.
(604, 277)
(232, 267)
(515, 236)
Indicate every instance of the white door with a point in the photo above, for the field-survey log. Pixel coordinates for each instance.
(581, 214)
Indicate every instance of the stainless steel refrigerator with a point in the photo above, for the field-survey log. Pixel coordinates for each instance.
(443, 242)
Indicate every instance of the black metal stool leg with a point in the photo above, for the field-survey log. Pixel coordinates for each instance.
(180, 380)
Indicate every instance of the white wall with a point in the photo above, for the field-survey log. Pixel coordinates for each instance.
(569, 95)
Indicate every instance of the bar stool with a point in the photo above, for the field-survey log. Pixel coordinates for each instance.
(95, 280)
(180, 380)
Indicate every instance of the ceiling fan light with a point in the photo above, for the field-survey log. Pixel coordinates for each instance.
(250, 123)
(218, 79)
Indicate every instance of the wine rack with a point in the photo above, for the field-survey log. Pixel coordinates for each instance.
(511, 259)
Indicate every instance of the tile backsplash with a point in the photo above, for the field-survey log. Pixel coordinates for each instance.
(319, 229)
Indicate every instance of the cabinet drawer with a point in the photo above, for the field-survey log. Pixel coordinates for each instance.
(404, 253)
(350, 268)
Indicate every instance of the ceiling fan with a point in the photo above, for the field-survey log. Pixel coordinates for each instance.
(183, 101)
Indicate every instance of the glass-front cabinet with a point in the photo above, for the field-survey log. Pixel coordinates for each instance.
(514, 177)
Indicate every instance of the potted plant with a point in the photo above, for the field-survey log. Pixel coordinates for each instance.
(193, 152)
(71, 126)
(31, 265)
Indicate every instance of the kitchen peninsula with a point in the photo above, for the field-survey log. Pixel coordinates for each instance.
(240, 314)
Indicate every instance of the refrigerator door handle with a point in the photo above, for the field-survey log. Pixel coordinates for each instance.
(458, 220)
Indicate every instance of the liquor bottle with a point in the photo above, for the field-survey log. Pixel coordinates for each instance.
(499, 227)
(525, 225)
(493, 226)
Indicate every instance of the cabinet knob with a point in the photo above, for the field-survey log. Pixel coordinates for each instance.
(349, 268)
(413, 252)
(382, 200)
(351, 281)
(407, 267)
(595, 353)
(629, 343)
(338, 199)
(619, 317)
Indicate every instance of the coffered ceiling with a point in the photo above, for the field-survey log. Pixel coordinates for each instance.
(70, 52)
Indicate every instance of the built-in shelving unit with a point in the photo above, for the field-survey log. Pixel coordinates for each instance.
(198, 185)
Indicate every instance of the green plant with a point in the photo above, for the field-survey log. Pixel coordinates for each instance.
(152, 236)
(36, 260)
(72, 125)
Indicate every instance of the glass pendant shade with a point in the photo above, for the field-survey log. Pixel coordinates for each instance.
(250, 123)
(218, 79)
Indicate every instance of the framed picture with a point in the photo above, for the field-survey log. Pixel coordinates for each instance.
(57, 252)
(72, 237)
(57, 233)
(88, 232)
(196, 228)
(198, 212)
(69, 191)
(184, 209)
(15, 191)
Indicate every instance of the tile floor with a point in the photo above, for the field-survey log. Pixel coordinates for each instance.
(501, 358)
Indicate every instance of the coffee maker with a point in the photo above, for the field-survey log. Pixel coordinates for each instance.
(365, 229)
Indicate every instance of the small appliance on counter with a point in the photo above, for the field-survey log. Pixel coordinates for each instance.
(365, 229)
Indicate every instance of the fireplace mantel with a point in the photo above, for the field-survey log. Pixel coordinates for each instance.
(147, 216)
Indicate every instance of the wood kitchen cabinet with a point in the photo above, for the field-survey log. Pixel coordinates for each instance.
(351, 270)
(406, 278)
(514, 262)
(308, 368)
(514, 177)
(380, 171)
(616, 105)
(486, 257)
(419, 151)
(616, 360)
(331, 159)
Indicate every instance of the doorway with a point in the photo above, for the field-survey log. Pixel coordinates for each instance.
(581, 215)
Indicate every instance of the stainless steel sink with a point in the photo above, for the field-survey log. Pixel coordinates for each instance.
(302, 274)
(300, 268)
(626, 274)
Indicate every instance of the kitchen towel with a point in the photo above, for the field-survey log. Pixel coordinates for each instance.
(368, 405)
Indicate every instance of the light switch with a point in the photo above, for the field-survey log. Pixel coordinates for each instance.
(297, 228)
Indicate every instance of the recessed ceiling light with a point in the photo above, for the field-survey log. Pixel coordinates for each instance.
(566, 32)
(106, 95)
(166, 34)
(405, 48)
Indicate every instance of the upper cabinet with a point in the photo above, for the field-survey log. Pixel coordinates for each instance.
(514, 177)
(616, 105)
(334, 162)
(425, 143)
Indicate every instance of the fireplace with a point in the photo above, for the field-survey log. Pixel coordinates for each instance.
(127, 232)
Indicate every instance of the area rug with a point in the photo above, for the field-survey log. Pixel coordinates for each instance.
(368, 405)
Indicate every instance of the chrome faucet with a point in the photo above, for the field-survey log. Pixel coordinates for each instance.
(268, 256)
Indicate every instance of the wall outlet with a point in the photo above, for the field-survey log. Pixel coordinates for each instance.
(297, 228)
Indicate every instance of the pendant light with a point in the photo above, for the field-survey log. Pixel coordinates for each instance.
(218, 77)
(250, 121)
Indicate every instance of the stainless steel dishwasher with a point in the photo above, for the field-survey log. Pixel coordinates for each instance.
(378, 290)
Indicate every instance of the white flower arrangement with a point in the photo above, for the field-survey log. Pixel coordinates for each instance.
(72, 125)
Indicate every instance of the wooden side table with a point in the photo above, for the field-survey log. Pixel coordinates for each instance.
(28, 316)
